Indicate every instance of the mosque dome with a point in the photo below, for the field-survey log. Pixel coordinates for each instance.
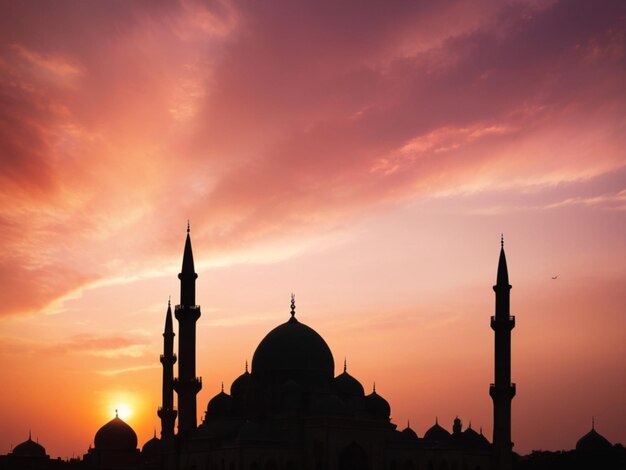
(593, 441)
(152, 448)
(29, 448)
(377, 406)
(436, 433)
(115, 435)
(293, 351)
(347, 386)
(219, 406)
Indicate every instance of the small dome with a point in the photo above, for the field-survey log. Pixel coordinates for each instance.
(377, 406)
(219, 406)
(593, 442)
(29, 448)
(437, 433)
(115, 435)
(293, 351)
(408, 434)
(347, 386)
(152, 448)
(471, 439)
(240, 386)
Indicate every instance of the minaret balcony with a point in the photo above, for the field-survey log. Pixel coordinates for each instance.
(169, 359)
(161, 409)
(506, 391)
(186, 307)
(503, 323)
(194, 385)
(187, 312)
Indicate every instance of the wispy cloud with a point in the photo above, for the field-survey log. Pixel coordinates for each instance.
(105, 346)
(125, 370)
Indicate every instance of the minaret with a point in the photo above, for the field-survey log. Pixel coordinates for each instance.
(502, 391)
(166, 412)
(187, 385)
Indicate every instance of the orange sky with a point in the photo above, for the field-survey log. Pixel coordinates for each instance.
(364, 155)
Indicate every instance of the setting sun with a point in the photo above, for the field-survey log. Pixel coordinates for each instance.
(123, 404)
(123, 410)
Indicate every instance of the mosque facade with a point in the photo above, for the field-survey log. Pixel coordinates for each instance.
(288, 411)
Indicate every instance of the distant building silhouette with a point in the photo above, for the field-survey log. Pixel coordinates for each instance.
(289, 412)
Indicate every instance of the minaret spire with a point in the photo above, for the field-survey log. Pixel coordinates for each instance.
(166, 411)
(502, 390)
(188, 275)
(187, 385)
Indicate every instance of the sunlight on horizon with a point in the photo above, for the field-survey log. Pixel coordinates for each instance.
(123, 410)
(123, 404)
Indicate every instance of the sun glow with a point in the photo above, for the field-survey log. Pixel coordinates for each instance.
(123, 410)
(122, 404)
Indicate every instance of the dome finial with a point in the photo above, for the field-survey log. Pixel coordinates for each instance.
(436, 419)
(29, 435)
(246, 366)
(502, 240)
(408, 423)
(116, 412)
(293, 305)
(169, 301)
(374, 387)
(188, 226)
(345, 365)
(222, 387)
(593, 423)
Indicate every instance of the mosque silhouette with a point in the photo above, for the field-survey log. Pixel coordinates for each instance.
(290, 412)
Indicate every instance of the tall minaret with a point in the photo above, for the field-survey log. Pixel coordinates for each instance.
(166, 412)
(502, 391)
(187, 385)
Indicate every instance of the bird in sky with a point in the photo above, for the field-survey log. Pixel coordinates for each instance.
(554, 277)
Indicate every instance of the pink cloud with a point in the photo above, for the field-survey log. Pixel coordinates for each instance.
(260, 121)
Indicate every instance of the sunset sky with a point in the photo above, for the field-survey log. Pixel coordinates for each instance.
(364, 155)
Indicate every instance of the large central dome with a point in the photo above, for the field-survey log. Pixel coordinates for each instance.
(293, 351)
